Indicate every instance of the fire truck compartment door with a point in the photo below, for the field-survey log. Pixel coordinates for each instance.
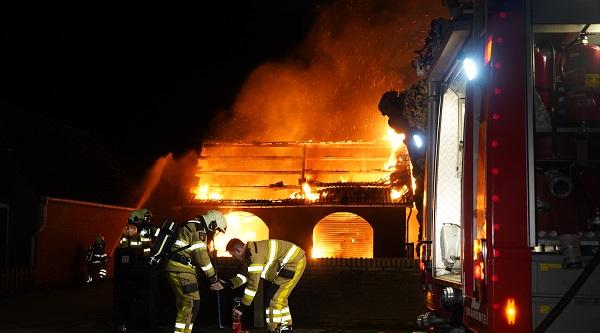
(581, 315)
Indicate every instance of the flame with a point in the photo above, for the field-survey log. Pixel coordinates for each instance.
(203, 193)
(414, 180)
(396, 194)
(396, 140)
(308, 194)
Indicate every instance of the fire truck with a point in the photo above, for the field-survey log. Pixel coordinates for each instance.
(512, 204)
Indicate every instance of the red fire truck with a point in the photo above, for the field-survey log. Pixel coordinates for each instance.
(512, 209)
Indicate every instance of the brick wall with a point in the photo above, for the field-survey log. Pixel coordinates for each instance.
(382, 292)
(68, 229)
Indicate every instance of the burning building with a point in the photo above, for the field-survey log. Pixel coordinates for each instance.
(296, 148)
(335, 198)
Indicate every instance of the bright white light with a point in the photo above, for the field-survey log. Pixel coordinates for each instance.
(470, 68)
(418, 140)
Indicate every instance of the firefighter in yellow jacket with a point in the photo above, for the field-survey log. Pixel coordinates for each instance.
(277, 261)
(188, 253)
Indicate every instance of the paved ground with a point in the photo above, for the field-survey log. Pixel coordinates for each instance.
(88, 309)
(61, 309)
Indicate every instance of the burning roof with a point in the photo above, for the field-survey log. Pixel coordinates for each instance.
(301, 172)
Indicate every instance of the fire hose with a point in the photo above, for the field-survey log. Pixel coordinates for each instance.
(566, 299)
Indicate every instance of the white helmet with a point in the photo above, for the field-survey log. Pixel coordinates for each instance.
(215, 221)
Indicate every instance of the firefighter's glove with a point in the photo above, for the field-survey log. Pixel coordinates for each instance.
(216, 286)
(226, 283)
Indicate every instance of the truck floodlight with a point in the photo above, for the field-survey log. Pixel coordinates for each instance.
(418, 140)
(470, 68)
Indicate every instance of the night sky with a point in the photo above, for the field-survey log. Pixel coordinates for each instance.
(140, 76)
(142, 79)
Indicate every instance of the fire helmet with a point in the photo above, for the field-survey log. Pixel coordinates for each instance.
(140, 215)
(215, 221)
(99, 239)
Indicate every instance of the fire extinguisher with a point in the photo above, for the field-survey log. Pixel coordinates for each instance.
(236, 325)
(581, 75)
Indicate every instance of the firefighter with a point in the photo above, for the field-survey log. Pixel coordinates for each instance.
(277, 261)
(139, 233)
(96, 260)
(132, 272)
(407, 114)
(189, 252)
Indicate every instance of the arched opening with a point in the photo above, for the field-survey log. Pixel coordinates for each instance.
(243, 225)
(342, 235)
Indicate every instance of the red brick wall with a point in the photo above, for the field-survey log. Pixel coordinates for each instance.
(383, 292)
(67, 231)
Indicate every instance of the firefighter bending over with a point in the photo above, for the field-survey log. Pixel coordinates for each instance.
(96, 260)
(189, 252)
(277, 261)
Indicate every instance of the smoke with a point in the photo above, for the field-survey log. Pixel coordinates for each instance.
(168, 183)
(329, 87)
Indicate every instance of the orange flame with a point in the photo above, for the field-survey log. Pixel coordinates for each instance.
(395, 160)
(308, 194)
(396, 140)
(203, 193)
(396, 195)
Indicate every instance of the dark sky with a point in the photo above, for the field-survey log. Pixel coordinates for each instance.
(144, 78)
